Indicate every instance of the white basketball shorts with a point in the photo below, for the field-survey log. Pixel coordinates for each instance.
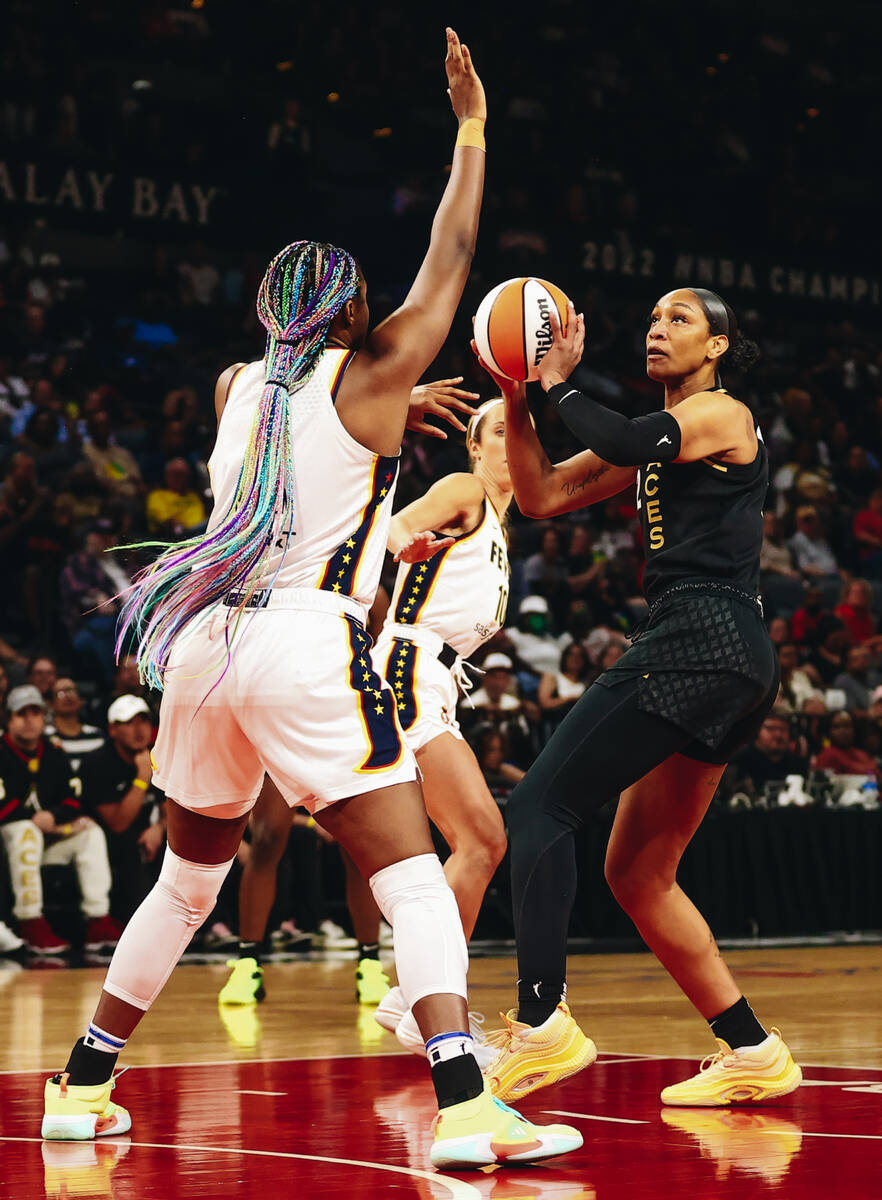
(298, 698)
(425, 690)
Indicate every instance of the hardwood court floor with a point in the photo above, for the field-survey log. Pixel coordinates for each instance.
(306, 1097)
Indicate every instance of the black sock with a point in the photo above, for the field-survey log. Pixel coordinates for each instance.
(249, 950)
(88, 1067)
(457, 1079)
(738, 1026)
(369, 950)
(538, 1000)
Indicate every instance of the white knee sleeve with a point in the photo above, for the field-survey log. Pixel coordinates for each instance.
(160, 930)
(430, 948)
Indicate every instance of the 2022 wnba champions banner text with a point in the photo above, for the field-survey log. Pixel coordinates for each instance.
(617, 259)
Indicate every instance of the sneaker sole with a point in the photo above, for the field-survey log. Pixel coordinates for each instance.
(481, 1151)
(518, 1082)
(83, 1127)
(744, 1093)
(43, 951)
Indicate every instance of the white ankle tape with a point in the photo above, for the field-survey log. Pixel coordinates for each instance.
(158, 933)
(430, 949)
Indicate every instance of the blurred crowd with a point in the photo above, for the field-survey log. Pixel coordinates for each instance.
(106, 379)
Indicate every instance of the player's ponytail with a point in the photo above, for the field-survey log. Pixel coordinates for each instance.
(742, 352)
(304, 288)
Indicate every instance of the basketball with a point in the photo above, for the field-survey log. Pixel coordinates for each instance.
(513, 327)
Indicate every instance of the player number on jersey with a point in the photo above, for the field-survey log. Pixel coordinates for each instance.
(502, 606)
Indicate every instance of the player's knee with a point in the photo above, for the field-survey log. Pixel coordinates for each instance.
(191, 888)
(419, 879)
(485, 851)
(635, 887)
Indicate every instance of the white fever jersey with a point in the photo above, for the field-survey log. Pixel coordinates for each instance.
(462, 593)
(343, 492)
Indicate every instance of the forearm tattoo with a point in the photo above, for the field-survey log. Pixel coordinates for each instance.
(579, 485)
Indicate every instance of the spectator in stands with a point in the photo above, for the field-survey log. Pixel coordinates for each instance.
(546, 573)
(491, 750)
(796, 684)
(583, 563)
(66, 729)
(867, 529)
(856, 478)
(780, 581)
(43, 675)
(497, 703)
(560, 691)
(855, 613)
(117, 791)
(804, 622)
(779, 631)
(42, 823)
(90, 584)
(175, 510)
(812, 551)
(114, 466)
(858, 680)
(770, 759)
(827, 660)
(199, 279)
(842, 756)
(535, 643)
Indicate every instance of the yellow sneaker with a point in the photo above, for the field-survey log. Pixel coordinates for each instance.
(81, 1168)
(531, 1057)
(74, 1113)
(371, 981)
(739, 1076)
(740, 1139)
(483, 1131)
(245, 985)
(242, 1023)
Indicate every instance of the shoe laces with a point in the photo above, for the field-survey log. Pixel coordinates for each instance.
(501, 1039)
(721, 1058)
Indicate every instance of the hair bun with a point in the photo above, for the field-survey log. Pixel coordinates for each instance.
(742, 354)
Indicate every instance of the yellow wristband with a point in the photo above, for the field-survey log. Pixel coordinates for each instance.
(141, 783)
(67, 829)
(311, 823)
(471, 133)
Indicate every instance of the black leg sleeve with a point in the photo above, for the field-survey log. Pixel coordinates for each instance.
(603, 746)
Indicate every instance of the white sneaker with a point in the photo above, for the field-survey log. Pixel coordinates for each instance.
(391, 1009)
(9, 941)
(330, 936)
(408, 1033)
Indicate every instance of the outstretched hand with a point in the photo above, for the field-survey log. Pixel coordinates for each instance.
(422, 546)
(465, 89)
(565, 352)
(439, 399)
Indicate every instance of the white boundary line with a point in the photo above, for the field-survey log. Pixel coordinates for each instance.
(559, 1112)
(459, 1189)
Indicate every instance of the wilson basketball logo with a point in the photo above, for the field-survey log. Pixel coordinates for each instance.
(513, 330)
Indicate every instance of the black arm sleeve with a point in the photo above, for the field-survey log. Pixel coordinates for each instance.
(612, 436)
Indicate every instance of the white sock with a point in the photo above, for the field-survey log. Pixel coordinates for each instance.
(97, 1038)
(448, 1045)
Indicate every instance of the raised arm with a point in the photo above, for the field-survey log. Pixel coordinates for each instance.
(373, 399)
(543, 488)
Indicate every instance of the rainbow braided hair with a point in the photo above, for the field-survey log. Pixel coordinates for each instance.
(304, 288)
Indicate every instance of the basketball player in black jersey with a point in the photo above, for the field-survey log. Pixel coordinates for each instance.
(657, 729)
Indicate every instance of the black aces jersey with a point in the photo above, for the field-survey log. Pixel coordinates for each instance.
(702, 521)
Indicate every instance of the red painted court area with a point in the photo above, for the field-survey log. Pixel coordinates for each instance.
(360, 1127)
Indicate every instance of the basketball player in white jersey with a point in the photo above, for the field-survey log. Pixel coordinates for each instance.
(442, 610)
(256, 632)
